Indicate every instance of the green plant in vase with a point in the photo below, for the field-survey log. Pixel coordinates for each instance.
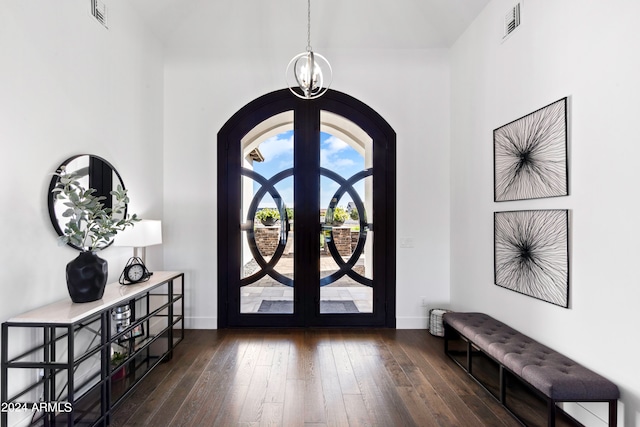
(340, 215)
(117, 358)
(90, 226)
(268, 216)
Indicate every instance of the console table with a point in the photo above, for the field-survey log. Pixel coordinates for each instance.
(68, 364)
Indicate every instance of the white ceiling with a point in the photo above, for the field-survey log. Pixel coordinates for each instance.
(335, 24)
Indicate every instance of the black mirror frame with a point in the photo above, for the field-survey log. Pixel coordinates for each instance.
(54, 182)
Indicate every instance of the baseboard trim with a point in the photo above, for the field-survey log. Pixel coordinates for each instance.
(212, 322)
(411, 322)
(201, 323)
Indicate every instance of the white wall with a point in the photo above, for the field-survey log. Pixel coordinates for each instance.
(589, 52)
(410, 89)
(68, 86)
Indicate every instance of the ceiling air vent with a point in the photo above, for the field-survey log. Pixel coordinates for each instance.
(99, 11)
(512, 20)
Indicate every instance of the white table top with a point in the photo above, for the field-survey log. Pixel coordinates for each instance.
(67, 312)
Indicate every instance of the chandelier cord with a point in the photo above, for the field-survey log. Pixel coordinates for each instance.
(308, 74)
(309, 26)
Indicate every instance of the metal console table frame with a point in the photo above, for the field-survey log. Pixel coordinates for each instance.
(157, 308)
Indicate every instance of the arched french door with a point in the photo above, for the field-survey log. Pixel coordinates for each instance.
(308, 163)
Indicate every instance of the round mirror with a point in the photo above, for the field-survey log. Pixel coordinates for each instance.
(94, 172)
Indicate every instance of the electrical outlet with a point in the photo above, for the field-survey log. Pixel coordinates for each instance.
(424, 301)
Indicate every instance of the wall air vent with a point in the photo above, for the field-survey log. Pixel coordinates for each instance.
(99, 11)
(511, 20)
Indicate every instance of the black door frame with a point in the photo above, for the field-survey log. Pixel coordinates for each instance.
(306, 165)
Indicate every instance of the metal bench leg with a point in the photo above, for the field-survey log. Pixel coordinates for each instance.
(613, 413)
(551, 413)
(503, 386)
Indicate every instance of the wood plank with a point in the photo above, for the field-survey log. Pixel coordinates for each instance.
(335, 411)
(357, 412)
(344, 369)
(231, 409)
(277, 382)
(272, 414)
(254, 401)
(295, 364)
(419, 412)
(314, 405)
(294, 403)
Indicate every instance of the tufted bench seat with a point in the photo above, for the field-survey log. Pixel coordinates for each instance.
(555, 376)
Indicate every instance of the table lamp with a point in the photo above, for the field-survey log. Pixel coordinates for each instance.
(146, 232)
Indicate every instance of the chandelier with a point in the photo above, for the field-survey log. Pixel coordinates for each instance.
(311, 71)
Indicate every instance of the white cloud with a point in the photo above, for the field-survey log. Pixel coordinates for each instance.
(278, 148)
(330, 154)
(335, 144)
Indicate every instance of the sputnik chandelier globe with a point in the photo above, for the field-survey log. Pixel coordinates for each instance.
(310, 71)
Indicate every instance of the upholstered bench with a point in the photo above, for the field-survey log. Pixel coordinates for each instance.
(553, 375)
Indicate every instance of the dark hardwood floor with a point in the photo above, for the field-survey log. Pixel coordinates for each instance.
(314, 377)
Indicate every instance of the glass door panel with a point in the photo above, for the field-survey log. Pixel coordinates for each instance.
(346, 237)
(267, 281)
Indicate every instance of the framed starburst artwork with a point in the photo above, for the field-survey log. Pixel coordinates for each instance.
(530, 155)
(531, 253)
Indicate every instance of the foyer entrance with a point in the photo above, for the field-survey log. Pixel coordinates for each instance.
(306, 214)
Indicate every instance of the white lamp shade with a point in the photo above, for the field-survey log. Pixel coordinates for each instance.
(147, 232)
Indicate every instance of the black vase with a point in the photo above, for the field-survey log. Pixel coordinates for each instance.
(87, 277)
(268, 221)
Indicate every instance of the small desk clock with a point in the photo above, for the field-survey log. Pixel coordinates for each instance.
(134, 272)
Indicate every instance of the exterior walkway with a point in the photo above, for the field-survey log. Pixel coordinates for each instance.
(345, 289)
(252, 296)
